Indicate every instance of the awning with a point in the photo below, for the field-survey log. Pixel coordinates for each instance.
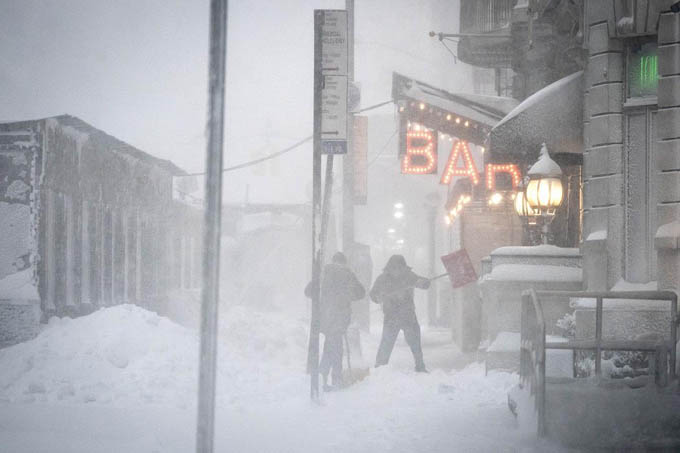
(481, 112)
(552, 115)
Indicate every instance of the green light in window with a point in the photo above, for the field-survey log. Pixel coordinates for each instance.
(648, 71)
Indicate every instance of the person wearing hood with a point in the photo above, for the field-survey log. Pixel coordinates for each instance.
(339, 287)
(393, 289)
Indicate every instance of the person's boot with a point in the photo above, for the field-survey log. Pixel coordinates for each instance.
(326, 387)
(420, 368)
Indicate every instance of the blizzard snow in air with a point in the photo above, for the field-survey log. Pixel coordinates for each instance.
(124, 379)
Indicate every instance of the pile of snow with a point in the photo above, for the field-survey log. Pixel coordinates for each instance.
(116, 355)
(128, 378)
(125, 355)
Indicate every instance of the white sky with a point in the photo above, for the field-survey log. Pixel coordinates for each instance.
(137, 69)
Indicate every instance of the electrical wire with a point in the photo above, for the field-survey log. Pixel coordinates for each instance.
(261, 159)
(285, 150)
(375, 106)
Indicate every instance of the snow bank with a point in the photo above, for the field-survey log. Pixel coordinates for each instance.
(127, 378)
(119, 354)
(125, 355)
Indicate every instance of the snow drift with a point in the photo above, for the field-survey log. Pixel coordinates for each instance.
(126, 355)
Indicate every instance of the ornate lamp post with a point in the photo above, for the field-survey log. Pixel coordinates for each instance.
(527, 215)
(522, 207)
(544, 192)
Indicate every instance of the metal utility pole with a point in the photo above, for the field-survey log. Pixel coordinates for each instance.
(313, 352)
(212, 225)
(348, 159)
(330, 131)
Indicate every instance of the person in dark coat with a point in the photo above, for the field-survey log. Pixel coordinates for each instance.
(394, 290)
(339, 287)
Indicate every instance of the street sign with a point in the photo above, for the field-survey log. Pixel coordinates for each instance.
(334, 115)
(333, 71)
(459, 267)
(334, 43)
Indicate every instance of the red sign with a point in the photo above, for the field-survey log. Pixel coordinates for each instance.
(421, 153)
(460, 151)
(459, 267)
(511, 169)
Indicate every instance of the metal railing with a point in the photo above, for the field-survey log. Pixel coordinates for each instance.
(533, 342)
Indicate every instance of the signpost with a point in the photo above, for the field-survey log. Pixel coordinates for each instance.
(334, 88)
(330, 137)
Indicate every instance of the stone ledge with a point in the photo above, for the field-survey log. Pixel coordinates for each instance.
(668, 236)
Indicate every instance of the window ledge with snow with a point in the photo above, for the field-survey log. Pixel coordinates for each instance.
(668, 236)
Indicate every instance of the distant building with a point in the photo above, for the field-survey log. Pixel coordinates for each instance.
(86, 221)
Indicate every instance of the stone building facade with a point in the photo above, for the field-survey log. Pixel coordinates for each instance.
(631, 161)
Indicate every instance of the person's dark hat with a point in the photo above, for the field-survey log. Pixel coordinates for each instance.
(339, 258)
(396, 262)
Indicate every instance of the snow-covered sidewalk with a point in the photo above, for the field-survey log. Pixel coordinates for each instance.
(124, 379)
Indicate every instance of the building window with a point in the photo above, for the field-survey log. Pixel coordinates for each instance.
(639, 121)
(492, 82)
(642, 76)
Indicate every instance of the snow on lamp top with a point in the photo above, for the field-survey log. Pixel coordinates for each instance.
(544, 190)
(545, 166)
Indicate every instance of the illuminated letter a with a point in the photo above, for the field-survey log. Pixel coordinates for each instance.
(460, 149)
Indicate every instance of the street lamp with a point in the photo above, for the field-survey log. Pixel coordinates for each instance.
(522, 207)
(525, 212)
(544, 191)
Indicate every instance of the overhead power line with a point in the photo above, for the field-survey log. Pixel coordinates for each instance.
(261, 159)
(285, 150)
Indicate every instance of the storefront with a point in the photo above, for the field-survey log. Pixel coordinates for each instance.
(444, 136)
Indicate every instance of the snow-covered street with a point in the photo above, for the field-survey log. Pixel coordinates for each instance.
(124, 379)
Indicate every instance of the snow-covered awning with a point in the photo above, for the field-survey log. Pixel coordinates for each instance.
(466, 116)
(552, 115)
